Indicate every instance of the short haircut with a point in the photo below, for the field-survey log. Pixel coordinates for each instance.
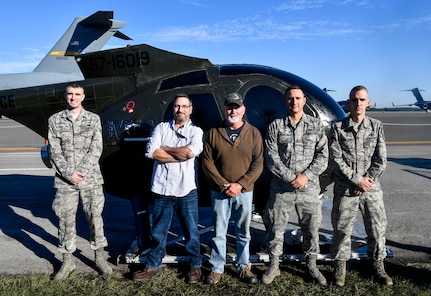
(293, 87)
(183, 95)
(356, 89)
(74, 85)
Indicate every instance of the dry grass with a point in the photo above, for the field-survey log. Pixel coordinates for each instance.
(413, 279)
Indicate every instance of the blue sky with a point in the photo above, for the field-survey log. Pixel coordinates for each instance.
(337, 44)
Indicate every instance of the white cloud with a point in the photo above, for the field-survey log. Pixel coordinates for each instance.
(316, 4)
(197, 3)
(17, 67)
(20, 60)
(254, 28)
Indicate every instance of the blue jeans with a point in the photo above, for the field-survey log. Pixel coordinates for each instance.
(187, 212)
(240, 208)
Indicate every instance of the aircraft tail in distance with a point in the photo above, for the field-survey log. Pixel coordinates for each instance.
(85, 34)
(417, 94)
(420, 102)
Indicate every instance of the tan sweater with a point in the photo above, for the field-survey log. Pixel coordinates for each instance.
(225, 161)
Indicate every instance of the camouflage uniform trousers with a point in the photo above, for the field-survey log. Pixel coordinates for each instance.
(276, 218)
(344, 212)
(65, 206)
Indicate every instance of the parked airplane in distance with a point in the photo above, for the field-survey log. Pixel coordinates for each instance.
(421, 103)
(343, 104)
(85, 34)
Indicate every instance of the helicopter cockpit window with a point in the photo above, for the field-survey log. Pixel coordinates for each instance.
(203, 111)
(263, 105)
(187, 79)
(267, 101)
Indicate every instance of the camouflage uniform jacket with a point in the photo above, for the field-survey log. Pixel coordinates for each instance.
(357, 154)
(76, 146)
(293, 149)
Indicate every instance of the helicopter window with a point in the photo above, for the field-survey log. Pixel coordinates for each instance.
(187, 79)
(263, 105)
(204, 114)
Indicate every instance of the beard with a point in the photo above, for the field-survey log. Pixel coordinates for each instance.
(233, 120)
(180, 118)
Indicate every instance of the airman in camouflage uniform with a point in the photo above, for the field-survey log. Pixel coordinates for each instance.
(358, 154)
(75, 137)
(296, 155)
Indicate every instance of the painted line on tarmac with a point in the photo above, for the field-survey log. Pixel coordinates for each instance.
(407, 124)
(409, 143)
(11, 126)
(24, 169)
(24, 149)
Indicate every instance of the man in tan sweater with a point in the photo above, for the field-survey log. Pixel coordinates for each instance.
(232, 161)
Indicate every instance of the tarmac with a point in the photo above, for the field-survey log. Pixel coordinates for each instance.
(28, 226)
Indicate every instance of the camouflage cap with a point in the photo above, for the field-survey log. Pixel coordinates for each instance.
(234, 98)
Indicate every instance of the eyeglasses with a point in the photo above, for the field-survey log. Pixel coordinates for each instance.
(181, 106)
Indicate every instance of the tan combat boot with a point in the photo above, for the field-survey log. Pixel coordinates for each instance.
(67, 267)
(272, 270)
(101, 263)
(314, 271)
(340, 272)
(379, 271)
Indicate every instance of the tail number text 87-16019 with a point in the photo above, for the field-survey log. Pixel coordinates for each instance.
(120, 61)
